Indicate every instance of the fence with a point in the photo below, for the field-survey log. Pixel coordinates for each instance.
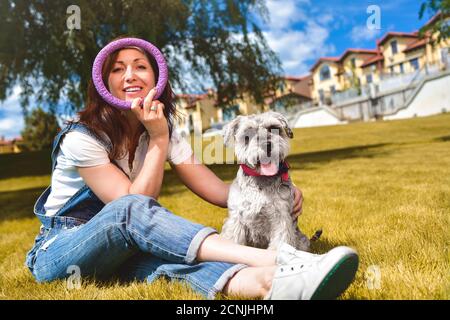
(376, 100)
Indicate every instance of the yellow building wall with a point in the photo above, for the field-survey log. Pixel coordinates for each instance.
(326, 84)
(394, 60)
(203, 113)
(11, 148)
(248, 106)
(427, 55)
(349, 70)
(434, 52)
(373, 70)
(419, 54)
(206, 114)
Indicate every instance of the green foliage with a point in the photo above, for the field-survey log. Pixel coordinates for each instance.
(40, 129)
(219, 39)
(442, 24)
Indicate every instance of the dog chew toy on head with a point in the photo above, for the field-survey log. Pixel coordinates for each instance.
(119, 44)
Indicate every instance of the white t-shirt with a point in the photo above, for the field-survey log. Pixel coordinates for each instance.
(81, 150)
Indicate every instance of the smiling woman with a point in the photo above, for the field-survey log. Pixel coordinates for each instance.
(101, 212)
(120, 44)
(131, 62)
(123, 69)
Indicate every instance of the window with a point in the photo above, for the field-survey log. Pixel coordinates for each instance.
(321, 96)
(391, 69)
(333, 89)
(325, 73)
(394, 48)
(414, 63)
(369, 78)
(353, 61)
(445, 55)
(230, 113)
(402, 70)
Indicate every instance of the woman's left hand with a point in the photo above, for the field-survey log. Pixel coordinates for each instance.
(298, 203)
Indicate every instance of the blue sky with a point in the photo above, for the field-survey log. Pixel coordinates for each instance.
(299, 31)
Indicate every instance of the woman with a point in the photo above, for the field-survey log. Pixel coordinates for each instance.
(100, 212)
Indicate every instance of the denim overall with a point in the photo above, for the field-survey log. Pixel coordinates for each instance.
(132, 237)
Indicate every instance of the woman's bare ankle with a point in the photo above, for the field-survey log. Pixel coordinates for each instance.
(252, 282)
(266, 281)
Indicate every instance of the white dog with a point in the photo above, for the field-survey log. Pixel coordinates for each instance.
(261, 197)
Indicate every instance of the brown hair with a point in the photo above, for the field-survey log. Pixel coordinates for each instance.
(104, 119)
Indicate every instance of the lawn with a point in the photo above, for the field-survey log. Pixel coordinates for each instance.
(382, 188)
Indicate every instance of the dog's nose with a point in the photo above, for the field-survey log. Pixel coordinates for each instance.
(269, 148)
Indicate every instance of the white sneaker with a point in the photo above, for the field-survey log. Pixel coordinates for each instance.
(287, 254)
(316, 277)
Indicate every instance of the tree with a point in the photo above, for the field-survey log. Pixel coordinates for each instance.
(40, 129)
(441, 25)
(218, 38)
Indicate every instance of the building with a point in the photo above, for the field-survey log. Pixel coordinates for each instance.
(395, 62)
(351, 73)
(408, 52)
(294, 93)
(325, 79)
(197, 112)
(10, 146)
(372, 68)
(396, 54)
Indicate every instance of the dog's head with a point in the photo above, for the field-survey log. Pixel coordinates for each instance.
(261, 141)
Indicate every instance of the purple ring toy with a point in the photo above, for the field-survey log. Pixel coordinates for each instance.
(118, 44)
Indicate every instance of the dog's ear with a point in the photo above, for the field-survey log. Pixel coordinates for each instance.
(229, 131)
(284, 123)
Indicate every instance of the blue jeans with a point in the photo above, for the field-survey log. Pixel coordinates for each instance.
(133, 237)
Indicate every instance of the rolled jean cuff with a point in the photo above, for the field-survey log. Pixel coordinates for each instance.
(191, 254)
(223, 280)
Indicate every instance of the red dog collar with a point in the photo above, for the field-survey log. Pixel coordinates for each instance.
(282, 171)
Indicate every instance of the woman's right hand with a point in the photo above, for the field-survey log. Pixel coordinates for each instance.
(155, 121)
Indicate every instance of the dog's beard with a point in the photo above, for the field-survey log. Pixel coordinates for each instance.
(258, 157)
(265, 166)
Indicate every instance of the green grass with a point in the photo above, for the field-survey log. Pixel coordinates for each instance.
(382, 188)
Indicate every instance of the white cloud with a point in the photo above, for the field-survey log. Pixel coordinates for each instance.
(363, 33)
(283, 13)
(8, 124)
(11, 117)
(296, 35)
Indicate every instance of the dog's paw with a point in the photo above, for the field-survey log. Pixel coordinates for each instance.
(304, 244)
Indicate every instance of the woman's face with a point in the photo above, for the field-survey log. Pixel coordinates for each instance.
(131, 75)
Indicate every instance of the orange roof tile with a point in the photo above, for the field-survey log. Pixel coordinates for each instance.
(372, 60)
(330, 59)
(416, 44)
(352, 50)
(397, 34)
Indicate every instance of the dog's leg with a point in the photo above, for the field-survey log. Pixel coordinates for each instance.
(234, 230)
(287, 231)
(303, 243)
